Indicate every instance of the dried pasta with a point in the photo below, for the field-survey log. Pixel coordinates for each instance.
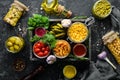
(112, 41)
(78, 32)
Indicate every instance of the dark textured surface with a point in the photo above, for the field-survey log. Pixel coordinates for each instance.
(78, 7)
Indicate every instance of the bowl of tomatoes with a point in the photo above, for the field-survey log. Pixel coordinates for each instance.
(41, 49)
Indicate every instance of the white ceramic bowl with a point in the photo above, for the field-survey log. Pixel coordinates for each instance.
(38, 47)
(62, 49)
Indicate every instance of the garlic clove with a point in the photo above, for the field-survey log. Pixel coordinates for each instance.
(51, 59)
(66, 22)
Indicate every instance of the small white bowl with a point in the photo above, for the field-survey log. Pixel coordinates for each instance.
(41, 57)
(79, 50)
(61, 55)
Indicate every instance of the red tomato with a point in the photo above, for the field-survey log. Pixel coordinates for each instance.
(38, 45)
(40, 54)
(36, 50)
(43, 49)
(34, 47)
(47, 48)
(42, 45)
(45, 53)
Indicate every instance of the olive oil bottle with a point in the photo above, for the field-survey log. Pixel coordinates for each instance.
(53, 7)
(49, 5)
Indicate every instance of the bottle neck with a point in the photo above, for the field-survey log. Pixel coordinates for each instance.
(62, 10)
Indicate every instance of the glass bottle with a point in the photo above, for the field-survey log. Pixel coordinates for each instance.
(52, 6)
(49, 5)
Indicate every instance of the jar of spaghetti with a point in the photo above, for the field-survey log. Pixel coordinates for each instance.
(15, 12)
(112, 41)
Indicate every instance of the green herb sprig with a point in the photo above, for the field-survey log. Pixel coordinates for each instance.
(47, 38)
(76, 58)
(38, 21)
(80, 17)
(35, 38)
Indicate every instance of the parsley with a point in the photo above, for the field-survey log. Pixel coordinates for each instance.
(50, 39)
(35, 38)
(38, 21)
(47, 38)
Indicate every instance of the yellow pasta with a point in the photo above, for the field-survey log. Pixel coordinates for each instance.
(78, 32)
(113, 44)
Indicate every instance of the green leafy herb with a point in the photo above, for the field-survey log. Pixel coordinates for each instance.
(47, 38)
(38, 21)
(80, 17)
(35, 38)
(76, 58)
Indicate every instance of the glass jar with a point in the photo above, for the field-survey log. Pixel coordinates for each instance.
(14, 44)
(101, 9)
(15, 12)
(112, 41)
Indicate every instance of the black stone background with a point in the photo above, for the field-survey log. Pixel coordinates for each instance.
(52, 72)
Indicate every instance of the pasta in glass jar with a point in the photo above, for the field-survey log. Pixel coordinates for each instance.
(15, 12)
(112, 41)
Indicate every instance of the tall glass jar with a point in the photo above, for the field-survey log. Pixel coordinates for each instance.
(112, 41)
(15, 12)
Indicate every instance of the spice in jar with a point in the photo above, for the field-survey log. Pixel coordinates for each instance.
(112, 41)
(15, 13)
(18, 64)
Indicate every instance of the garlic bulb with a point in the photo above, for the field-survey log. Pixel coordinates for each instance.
(66, 22)
(51, 59)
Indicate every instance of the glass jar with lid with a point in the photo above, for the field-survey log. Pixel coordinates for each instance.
(15, 12)
(112, 41)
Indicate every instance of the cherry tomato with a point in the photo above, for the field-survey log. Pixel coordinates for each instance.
(36, 50)
(43, 49)
(38, 45)
(34, 47)
(47, 48)
(42, 44)
(40, 54)
(45, 53)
